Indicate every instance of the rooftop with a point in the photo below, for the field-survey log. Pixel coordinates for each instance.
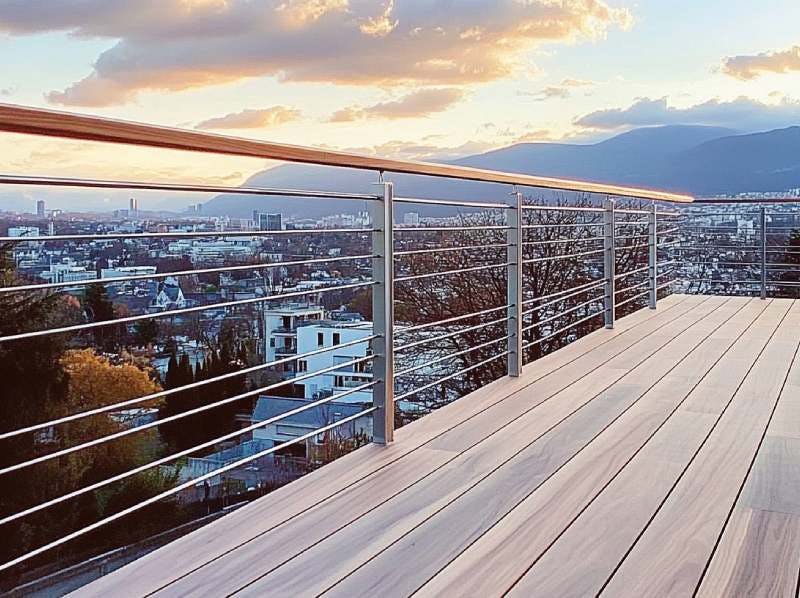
(664, 453)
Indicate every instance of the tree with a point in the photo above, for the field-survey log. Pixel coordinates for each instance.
(146, 332)
(550, 234)
(99, 308)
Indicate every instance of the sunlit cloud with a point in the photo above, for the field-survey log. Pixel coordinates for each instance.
(753, 66)
(182, 44)
(414, 105)
(549, 93)
(252, 119)
(745, 114)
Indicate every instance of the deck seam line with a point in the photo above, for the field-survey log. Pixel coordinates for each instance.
(683, 299)
(650, 437)
(694, 456)
(522, 449)
(750, 467)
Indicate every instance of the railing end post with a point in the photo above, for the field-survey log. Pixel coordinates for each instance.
(382, 216)
(609, 261)
(515, 285)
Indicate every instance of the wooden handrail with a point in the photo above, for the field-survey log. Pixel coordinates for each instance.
(51, 123)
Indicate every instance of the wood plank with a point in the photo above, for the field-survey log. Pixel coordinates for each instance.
(759, 557)
(604, 532)
(759, 551)
(670, 556)
(204, 546)
(67, 125)
(501, 556)
(393, 520)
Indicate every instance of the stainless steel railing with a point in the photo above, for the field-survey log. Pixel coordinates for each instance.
(740, 247)
(492, 270)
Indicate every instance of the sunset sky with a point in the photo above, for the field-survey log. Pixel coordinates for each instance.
(422, 79)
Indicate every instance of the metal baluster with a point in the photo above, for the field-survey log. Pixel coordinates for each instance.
(763, 217)
(382, 216)
(609, 255)
(515, 238)
(653, 256)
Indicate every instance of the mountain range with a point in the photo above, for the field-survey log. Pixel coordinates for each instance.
(691, 159)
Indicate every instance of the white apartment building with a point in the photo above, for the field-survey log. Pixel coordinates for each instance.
(280, 329)
(330, 333)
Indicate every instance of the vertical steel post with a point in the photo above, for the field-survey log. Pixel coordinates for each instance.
(652, 272)
(514, 219)
(609, 258)
(763, 217)
(382, 216)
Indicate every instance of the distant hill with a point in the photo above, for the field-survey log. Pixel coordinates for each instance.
(693, 159)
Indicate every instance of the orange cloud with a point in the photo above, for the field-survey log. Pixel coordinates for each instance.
(183, 44)
(252, 119)
(414, 105)
(753, 66)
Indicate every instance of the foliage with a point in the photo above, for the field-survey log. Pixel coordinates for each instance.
(189, 431)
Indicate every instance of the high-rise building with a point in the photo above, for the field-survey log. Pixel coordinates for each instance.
(40, 208)
(133, 208)
(262, 221)
(411, 219)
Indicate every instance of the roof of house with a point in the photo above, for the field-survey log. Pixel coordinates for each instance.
(316, 417)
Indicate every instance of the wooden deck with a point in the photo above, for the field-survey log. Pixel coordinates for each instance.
(658, 459)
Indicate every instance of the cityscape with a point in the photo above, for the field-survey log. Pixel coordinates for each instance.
(344, 298)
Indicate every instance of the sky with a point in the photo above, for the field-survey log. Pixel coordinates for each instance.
(421, 79)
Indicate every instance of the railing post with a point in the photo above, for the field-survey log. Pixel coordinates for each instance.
(514, 220)
(382, 216)
(763, 217)
(609, 258)
(652, 257)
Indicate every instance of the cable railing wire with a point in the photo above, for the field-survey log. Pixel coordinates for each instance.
(171, 391)
(177, 416)
(160, 275)
(184, 486)
(178, 311)
(186, 452)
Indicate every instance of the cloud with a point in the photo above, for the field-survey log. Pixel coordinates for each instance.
(6, 91)
(753, 66)
(412, 150)
(252, 119)
(550, 93)
(744, 114)
(416, 104)
(536, 136)
(577, 83)
(184, 44)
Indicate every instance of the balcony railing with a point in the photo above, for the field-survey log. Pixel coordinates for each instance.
(557, 268)
(740, 247)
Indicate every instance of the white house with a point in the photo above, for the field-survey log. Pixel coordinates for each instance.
(331, 333)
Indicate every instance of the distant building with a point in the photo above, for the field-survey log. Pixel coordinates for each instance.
(23, 231)
(411, 219)
(126, 271)
(280, 329)
(170, 296)
(67, 272)
(300, 424)
(40, 208)
(332, 333)
(133, 207)
(262, 221)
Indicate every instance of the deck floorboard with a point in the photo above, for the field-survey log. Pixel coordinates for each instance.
(664, 452)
